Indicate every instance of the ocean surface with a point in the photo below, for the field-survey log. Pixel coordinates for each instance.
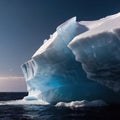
(16, 111)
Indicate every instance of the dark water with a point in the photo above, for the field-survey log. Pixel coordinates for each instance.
(5, 96)
(48, 112)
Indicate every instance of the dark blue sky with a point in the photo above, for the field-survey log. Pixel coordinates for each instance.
(24, 24)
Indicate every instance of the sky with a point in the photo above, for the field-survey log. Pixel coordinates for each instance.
(24, 24)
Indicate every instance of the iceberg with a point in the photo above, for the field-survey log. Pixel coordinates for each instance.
(55, 72)
(98, 50)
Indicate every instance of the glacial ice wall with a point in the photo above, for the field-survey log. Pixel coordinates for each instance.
(99, 51)
(54, 75)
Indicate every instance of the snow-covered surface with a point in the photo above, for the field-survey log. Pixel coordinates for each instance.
(70, 29)
(99, 51)
(54, 72)
(45, 45)
(96, 23)
(106, 24)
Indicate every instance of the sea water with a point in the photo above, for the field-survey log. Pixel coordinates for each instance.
(13, 107)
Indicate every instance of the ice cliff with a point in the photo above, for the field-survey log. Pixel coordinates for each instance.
(99, 51)
(56, 71)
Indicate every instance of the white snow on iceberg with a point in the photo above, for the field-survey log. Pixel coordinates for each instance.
(55, 75)
(99, 51)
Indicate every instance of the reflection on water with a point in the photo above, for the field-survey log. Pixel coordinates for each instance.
(47, 112)
(13, 109)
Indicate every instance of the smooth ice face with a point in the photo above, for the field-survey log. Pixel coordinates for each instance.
(53, 70)
(99, 51)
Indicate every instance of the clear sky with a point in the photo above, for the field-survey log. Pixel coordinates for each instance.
(24, 24)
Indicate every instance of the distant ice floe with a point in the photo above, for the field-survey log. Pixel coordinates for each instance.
(83, 103)
(72, 104)
(24, 102)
